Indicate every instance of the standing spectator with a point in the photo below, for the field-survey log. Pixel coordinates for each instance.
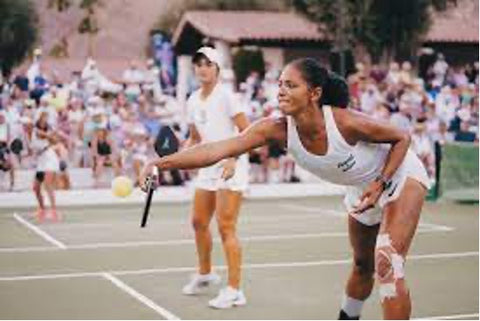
(446, 105)
(440, 68)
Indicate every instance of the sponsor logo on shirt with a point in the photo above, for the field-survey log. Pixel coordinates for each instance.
(347, 164)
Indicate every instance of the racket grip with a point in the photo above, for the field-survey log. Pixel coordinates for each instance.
(148, 202)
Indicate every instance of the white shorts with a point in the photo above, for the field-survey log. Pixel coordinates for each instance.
(411, 167)
(48, 161)
(209, 178)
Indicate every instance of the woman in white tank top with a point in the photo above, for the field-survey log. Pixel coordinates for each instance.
(345, 147)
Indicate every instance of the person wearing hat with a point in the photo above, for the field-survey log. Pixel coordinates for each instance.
(213, 114)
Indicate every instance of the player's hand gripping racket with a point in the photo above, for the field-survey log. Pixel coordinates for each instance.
(151, 185)
(166, 143)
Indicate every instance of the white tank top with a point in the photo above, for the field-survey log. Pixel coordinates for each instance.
(342, 164)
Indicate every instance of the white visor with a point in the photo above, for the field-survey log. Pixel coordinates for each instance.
(211, 54)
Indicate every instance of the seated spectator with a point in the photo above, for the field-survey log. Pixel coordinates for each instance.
(104, 154)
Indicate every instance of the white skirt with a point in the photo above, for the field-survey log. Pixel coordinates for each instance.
(210, 178)
(48, 161)
(411, 167)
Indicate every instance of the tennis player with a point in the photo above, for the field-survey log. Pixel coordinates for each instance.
(386, 182)
(214, 114)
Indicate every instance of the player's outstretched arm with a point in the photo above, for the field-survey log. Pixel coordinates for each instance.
(202, 155)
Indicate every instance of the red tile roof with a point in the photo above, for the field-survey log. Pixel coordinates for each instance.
(234, 26)
(458, 24)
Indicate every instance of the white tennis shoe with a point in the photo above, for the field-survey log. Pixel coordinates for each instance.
(199, 282)
(228, 297)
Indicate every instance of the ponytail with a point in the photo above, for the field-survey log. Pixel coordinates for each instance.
(334, 88)
(335, 91)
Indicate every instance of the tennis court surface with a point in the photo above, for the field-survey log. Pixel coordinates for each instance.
(97, 263)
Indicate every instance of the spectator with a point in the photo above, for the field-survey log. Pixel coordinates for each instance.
(133, 78)
(5, 157)
(422, 146)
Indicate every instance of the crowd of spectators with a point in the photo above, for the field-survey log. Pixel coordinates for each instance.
(103, 123)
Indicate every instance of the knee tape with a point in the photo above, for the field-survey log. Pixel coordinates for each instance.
(388, 266)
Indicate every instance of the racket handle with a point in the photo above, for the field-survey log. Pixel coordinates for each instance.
(146, 209)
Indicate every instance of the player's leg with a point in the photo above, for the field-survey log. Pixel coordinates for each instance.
(203, 208)
(98, 169)
(361, 279)
(49, 183)
(400, 220)
(228, 207)
(37, 189)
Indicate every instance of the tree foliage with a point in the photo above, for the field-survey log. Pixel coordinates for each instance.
(18, 32)
(390, 28)
(245, 61)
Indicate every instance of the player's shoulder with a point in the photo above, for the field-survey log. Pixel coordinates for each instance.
(272, 125)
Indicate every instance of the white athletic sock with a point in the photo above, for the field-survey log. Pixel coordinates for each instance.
(351, 306)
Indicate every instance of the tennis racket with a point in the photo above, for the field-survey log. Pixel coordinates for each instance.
(165, 144)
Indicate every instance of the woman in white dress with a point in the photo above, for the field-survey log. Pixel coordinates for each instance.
(47, 165)
(214, 114)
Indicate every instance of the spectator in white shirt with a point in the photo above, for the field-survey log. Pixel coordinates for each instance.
(133, 79)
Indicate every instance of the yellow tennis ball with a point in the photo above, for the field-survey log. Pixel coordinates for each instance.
(122, 186)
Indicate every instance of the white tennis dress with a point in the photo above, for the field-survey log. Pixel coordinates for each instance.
(354, 166)
(47, 159)
(213, 119)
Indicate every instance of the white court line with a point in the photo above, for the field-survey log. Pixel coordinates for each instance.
(140, 297)
(257, 238)
(338, 213)
(47, 237)
(414, 257)
(450, 317)
(436, 227)
(312, 209)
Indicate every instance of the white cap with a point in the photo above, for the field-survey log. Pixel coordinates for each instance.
(212, 55)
